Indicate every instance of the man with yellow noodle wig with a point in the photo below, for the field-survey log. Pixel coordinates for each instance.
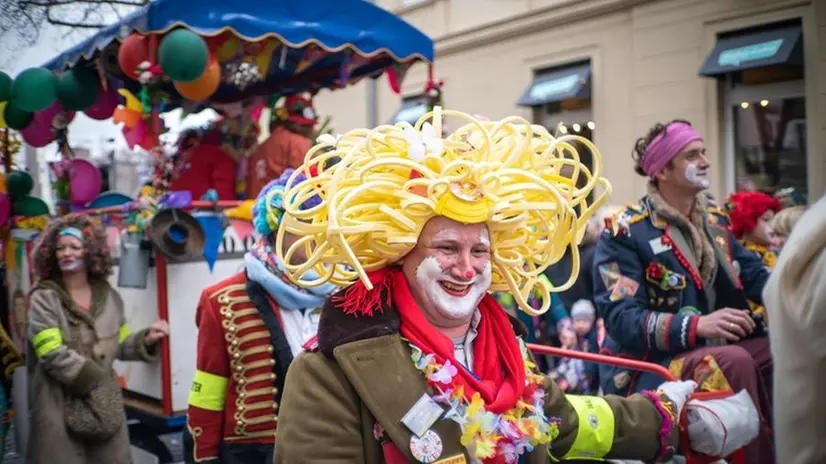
(416, 362)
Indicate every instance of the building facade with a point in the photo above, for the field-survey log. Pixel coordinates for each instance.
(748, 74)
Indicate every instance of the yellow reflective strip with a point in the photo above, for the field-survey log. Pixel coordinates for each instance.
(47, 341)
(595, 434)
(124, 333)
(208, 391)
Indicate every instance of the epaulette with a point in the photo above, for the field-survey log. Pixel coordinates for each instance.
(622, 220)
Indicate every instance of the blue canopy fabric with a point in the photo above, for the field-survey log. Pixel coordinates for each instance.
(358, 39)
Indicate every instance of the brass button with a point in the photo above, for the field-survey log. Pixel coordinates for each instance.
(242, 381)
(237, 356)
(231, 328)
(272, 362)
(239, 423)
(235, 343)
(272, 376)
(270, 349)
(242, 395)
(239, 368)
(241, 408)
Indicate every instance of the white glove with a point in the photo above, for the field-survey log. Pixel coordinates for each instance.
(678, 392)
(719, 427)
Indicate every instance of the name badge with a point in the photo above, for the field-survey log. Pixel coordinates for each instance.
(424, 413)
(657, 245)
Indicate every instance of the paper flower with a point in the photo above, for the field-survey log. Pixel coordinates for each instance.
(445, 374)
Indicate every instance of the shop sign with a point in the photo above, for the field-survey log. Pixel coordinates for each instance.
(758, 51)
(546, 90)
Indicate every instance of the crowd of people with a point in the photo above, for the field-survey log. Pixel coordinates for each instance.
(367, 325)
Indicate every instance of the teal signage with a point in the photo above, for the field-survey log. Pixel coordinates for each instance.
(546, 90)
(758, 51)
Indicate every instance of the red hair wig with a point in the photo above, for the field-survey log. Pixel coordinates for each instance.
(745, 208)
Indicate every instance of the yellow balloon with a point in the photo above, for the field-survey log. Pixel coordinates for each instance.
(132, 102)
(2, 118)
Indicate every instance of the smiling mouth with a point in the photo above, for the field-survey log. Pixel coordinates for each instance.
(455, 289)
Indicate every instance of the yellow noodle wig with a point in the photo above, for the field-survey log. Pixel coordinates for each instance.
(391, 180)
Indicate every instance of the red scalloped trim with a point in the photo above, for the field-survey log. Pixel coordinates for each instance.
(665, 427)
(667, 240)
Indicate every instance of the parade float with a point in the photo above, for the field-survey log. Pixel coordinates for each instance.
(239, 58)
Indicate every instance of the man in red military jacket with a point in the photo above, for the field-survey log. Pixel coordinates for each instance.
(250, 326)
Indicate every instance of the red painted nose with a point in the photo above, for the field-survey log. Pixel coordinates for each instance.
(469, 275)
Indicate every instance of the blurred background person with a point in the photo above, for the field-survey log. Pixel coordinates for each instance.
(77, 328)
(795, 298)
(290, 139)
(782, 225)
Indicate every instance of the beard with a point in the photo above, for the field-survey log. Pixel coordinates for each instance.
(428, 275)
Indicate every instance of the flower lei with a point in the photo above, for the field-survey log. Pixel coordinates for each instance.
(486, 435)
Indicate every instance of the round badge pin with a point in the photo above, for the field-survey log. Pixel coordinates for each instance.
(426, 448)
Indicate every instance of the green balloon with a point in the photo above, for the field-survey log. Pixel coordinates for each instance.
(183, 55)
(16, 118)
(19, 184)
(34, 89)
(77, 89)
(5, 86)
(29, 206)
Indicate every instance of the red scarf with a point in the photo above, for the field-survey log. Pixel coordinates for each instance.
(497, 357)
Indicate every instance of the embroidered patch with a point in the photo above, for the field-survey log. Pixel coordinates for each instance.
(610, 274)
(671, 301)
(659, 246)
(709, 376)
(624, 288)
(721, 242)
(659, 275)
(621, 380)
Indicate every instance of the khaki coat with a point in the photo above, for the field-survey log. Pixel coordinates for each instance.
(59, 371)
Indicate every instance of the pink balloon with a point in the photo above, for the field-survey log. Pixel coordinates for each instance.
(85, 181)
(5, 208)
(105, 105)
(37, 135)
(46, 117)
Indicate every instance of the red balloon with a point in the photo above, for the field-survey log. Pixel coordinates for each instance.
(133, 51)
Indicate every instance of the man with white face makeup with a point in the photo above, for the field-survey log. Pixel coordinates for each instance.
(416, 361)
(672, 282)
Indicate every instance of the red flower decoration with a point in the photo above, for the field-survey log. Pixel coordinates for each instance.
(655, 271)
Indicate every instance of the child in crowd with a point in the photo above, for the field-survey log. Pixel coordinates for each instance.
(752, 215)
(782, 225)
(574, 375)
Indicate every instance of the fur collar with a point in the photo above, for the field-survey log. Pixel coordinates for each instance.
(335, 328)
(694, 226)
(100, 294)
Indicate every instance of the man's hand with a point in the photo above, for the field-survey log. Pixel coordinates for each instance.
(727, 323)
(157, 332)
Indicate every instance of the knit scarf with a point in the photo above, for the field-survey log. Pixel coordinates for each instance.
(499, 370)
(263, 267)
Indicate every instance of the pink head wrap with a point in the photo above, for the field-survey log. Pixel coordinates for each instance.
(665, 146)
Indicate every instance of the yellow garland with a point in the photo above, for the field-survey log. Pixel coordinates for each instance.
(508, 174)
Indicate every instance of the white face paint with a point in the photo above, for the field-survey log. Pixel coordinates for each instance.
(70, 264)
(429, 274)
(695, 176)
